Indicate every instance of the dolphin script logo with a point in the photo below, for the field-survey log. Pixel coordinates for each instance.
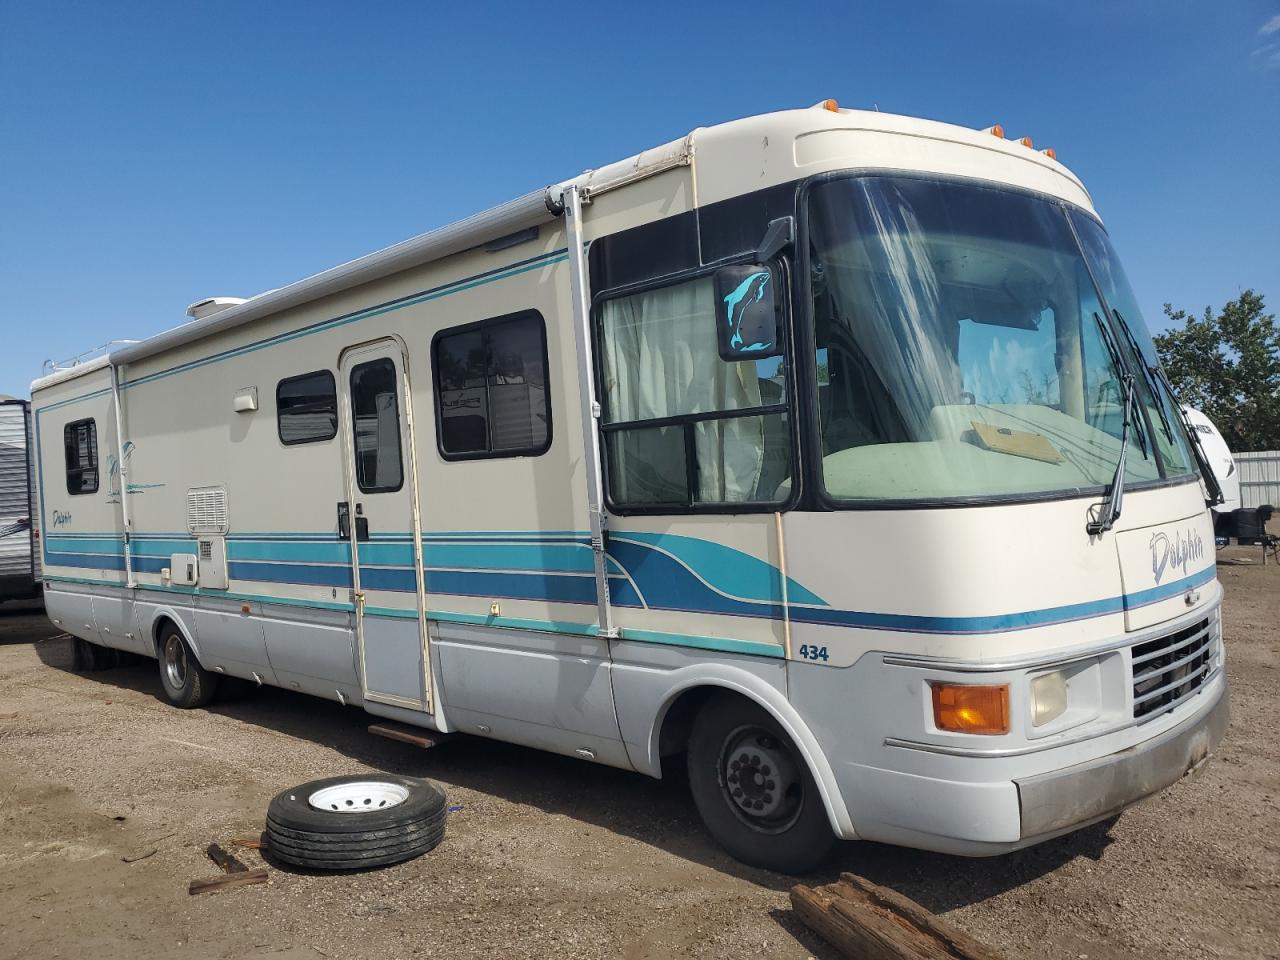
(1174, 553)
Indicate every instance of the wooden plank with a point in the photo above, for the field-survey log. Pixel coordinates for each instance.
(227, 881)
(413, 735)
(249, 843)
(226, 861)
(869, 922)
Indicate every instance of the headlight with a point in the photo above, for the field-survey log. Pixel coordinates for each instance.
(1048, 698)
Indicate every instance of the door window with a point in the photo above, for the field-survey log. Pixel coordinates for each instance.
(375, 414)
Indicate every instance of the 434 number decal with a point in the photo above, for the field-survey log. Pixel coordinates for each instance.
(810, 651)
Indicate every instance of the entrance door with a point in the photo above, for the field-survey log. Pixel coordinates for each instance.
(381, 520)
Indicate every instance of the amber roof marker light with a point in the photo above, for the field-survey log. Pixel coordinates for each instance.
(829, 104)
(1051, 153)
(995, 130)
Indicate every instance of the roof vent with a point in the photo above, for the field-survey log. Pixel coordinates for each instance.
(211, 305)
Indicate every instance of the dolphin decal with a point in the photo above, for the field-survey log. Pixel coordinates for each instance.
(749, 291)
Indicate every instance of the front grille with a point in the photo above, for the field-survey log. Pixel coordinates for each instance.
(1169, 669)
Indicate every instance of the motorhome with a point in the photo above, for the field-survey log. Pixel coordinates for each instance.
(824, 452)
(19, 528)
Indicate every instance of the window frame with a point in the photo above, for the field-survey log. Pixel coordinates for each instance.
(491, 454)
(333, 381)
(787, 408)
(355, 446)
(92, 423)
(811, 428)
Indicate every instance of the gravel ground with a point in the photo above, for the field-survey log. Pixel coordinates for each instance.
(555, 857)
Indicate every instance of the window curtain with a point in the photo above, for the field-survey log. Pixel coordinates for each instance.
(661, 360)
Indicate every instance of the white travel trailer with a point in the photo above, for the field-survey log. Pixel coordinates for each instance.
(826, 449)
(1220, 460)
(19, 532)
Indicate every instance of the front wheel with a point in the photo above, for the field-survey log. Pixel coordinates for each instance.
(186, 684)
(754, 790)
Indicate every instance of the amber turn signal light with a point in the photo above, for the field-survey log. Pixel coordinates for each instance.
(971, 707)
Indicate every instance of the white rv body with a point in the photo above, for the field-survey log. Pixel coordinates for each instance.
(1220, 459)
(19, 528)
(475, 604)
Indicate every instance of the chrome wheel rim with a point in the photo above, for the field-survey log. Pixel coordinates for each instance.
(761, 780)
(363, 796)
(175, 661)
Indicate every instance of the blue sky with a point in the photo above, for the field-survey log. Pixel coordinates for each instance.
(151, 155)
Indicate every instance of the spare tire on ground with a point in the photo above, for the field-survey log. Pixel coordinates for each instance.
(356, 822)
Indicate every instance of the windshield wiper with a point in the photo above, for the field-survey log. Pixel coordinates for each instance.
(1149, 372)
(1109, 512)
(1159, 379)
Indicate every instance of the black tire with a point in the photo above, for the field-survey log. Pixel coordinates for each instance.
(367, 835)
(186, 684)
(789, 831)
(90, 657)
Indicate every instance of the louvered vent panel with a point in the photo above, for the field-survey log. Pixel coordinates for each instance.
(207, 510)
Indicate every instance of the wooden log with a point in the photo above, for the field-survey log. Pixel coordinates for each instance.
(226, 861)
(869, 922)
(227, 881)
(960, 942)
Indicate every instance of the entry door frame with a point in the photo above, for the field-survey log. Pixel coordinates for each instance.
(394, 348)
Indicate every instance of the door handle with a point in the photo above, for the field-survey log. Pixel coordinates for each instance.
(344, 522)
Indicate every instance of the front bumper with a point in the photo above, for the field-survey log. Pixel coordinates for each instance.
(1054, 802)
(930, 810)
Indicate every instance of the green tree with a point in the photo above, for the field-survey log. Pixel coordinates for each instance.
(1228, 367)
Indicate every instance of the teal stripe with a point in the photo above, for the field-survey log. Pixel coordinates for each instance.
(572, 558)
(391, 612)
(435, 293)
(87, 396)
(161, 548)
(216, 594)
(722, 644)
(335, 551)
(458, 286)
(103, 545)
(519, 623)
(728, 570)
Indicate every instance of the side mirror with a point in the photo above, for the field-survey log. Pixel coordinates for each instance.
(748, 312)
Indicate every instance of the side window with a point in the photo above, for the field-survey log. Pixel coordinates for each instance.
(80, 444)
(491, 388)
(375, 416)
(307, 408)
(684, 427)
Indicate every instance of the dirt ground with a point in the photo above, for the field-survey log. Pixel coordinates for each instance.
(552, 857)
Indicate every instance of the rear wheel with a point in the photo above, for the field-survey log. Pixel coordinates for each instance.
(754, 790)
(89, 657)
(186, 684)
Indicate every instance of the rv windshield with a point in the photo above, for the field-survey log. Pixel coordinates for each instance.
(962, 350)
